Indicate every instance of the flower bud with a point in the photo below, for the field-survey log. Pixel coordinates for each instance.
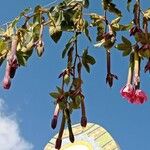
(83, 121)
(6, 82)
(71, 137)
(54, 122)
(55, 117)
(66, 79)
(58, 143)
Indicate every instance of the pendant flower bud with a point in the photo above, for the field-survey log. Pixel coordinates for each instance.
(6, 82)
(55, 117)
(58, 143)
(83, 121)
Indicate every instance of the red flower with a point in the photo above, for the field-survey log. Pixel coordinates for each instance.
(140, 97)
(127, 92)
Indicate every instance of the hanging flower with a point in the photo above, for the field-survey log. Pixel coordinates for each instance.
(7, 79)
(140, 97)
(127, 92)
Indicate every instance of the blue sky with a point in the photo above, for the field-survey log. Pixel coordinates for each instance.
(29, 103)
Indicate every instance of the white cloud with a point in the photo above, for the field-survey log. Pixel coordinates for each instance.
(10, 137)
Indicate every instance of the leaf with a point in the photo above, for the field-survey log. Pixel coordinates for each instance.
(86, 3)
(55, 26)
(68, 45)
(126, 41)
(40, 48)
(55, 95)
(111, 7)
(116, 20)
(59, 90)
(86, 31)
(126, 52)
(147, 14)
(2, 45)
(126, 46)
(87, 59)
(90, 59)
(37, 15)
(128, 4)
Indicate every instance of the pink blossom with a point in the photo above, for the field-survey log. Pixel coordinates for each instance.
(127, 92)
(55, 117)
(7, 79)
(140, 97)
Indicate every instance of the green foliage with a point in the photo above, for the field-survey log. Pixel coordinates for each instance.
(87, 60)
(125, 46)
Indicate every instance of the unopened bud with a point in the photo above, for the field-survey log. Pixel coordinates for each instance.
(58, 143)
(66, 79)
(83, 121)
(71, 137)
(6, 82)
(54, 122)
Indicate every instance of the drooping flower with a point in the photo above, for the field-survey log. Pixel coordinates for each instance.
(7, 79)
(127, 92)
(140, 97)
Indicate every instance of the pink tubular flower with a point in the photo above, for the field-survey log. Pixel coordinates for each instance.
(7, 79)
(140, 97)
(55, 117)
(127, 92)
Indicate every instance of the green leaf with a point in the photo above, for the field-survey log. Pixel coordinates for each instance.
(68, 45)
(115, 21)
(55, 26)
(37, 15)
(87, 60)
(128, 4)
(21, 59)
(126, 52)
(126, 41)
(86, 31)
(59, 90)
(2, 45)
(126, 46)
(112, 8)
(91, 60)
(55, 95)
